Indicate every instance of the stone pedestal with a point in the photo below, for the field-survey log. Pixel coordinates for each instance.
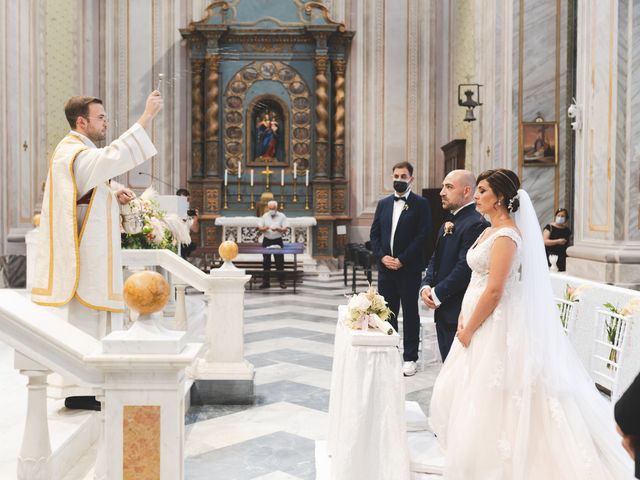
(143, 402)
(224, 375)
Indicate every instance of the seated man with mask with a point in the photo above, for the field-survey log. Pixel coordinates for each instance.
(273, 224)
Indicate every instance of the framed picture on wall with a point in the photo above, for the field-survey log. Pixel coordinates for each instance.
(539, 144)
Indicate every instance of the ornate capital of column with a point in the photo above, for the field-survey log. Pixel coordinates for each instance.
(321, 63)
(340, 66)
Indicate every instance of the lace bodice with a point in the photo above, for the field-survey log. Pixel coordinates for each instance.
(479, 255)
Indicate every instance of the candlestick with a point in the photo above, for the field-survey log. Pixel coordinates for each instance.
(225, 189)
(226, 174)
(306, 195)
(281, 206)
(252, 206)
(295, 190)
(239, 198)
(252, 177)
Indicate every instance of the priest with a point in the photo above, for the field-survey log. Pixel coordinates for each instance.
(78, 268)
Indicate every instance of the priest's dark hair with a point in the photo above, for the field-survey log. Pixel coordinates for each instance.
(78, 106)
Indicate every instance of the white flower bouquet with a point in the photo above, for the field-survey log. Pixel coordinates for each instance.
(369, 310)
(144, 225)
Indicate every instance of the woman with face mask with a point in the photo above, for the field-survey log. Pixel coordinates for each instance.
(556, 237)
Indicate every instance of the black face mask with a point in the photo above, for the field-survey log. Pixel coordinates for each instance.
(400, 186)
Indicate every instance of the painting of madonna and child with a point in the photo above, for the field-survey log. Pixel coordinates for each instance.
(268, 138)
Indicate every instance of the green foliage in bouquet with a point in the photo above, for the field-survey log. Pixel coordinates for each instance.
(154, 231)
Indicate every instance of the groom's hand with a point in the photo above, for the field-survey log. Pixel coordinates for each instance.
(427, 299)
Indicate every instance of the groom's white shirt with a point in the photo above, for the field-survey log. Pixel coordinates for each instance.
(435, 298)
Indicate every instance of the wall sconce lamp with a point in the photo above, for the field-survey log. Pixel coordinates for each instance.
(470, 89)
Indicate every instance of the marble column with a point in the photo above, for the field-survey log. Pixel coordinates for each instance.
(607, 233)
(211, 115)
(197, 66)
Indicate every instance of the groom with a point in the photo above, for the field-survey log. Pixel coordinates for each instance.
(448, 274)
(399, 230)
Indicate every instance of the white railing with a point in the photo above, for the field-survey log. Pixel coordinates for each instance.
(45, 343)
(567, 314)
(224, 292)
(586, 334)
(608, 352)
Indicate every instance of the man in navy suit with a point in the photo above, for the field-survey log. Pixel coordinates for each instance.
(448, 274)
(400, 227)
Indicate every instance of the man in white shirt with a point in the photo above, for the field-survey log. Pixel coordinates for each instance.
(78, 268)
(273, 225)
(448, 273)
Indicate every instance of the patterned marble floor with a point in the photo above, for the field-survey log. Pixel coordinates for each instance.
(289, 339)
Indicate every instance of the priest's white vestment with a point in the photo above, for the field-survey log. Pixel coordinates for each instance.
(78, 261)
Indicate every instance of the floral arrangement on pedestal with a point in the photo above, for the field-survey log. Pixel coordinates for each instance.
(369, 310)
(145, 226)
(615, 324)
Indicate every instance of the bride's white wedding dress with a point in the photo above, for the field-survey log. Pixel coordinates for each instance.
(502, 409)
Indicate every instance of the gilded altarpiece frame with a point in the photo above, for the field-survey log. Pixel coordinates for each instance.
(290, 56)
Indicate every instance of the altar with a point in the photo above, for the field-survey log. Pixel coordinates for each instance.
(245, 230)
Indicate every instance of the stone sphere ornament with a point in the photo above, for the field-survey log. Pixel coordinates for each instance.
(146, 292)
(228, 250)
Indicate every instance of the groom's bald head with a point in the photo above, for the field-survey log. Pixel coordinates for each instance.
(457, 189)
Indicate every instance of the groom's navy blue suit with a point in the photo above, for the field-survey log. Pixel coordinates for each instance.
(402, 286)
(448, 272)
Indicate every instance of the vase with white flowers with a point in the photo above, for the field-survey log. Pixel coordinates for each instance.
(369, 310)
(145, 226)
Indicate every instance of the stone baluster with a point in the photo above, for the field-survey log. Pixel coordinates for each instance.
(100, 468)
(35, 452)
(181, 307)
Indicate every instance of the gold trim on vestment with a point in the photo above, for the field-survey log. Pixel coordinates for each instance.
(96, 307)
(48, 290)
(111, 294)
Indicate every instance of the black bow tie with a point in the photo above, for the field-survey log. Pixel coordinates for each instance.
(400, 198)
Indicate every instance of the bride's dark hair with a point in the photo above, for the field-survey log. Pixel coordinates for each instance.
(505, 184)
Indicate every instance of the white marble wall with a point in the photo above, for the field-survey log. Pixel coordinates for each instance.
(607, 237)
(542, 75)
(21, 113)
(391, 102)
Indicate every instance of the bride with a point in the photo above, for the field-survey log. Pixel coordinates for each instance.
(513, 401)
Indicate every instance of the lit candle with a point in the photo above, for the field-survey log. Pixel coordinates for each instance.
(306, 179)
(282, 177)
(239, 169)
(226, 173)
(295, 170)
(252, 177)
